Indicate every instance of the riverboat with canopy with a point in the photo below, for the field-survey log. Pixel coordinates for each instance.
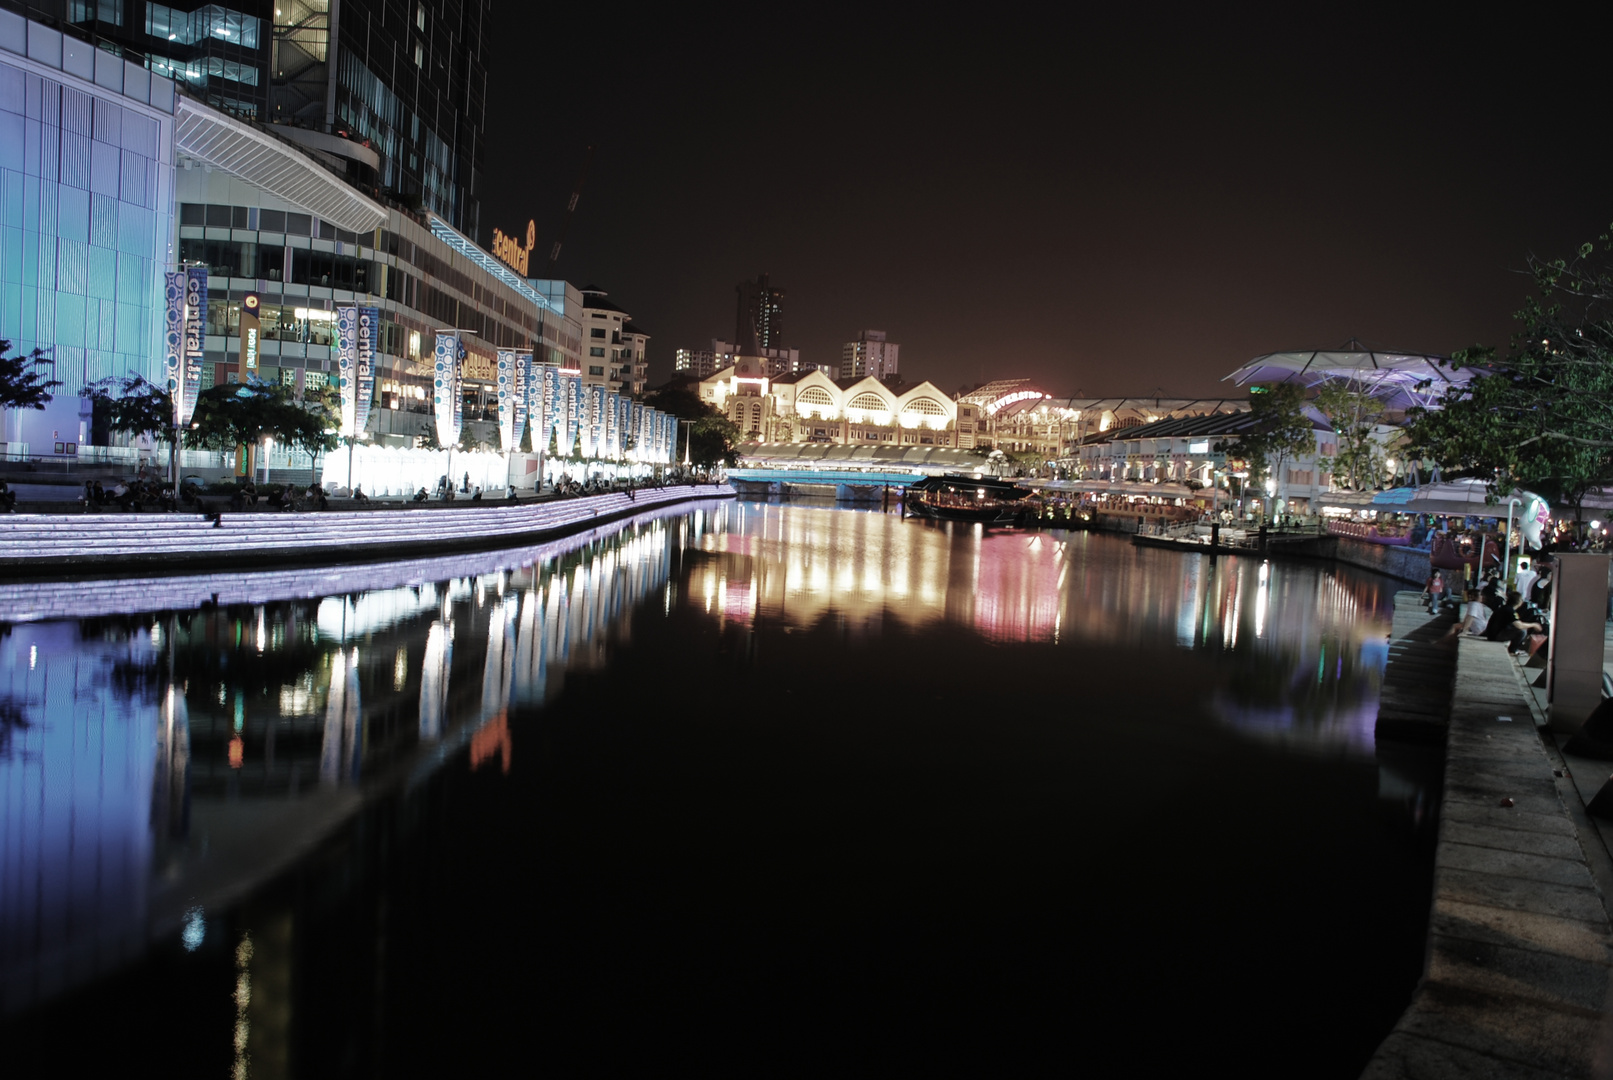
(986, 500)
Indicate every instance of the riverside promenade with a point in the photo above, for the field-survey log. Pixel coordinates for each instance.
(1516, 978)
(33, 545)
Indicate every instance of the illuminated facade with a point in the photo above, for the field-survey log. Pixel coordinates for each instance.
(870, 354)
(86, 149)
(811, 407)
(390, 95)
(614, 346)
(704, 363)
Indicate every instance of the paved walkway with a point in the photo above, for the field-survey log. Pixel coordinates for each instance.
(1517, 974)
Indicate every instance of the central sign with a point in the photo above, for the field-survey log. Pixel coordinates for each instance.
(512, 251)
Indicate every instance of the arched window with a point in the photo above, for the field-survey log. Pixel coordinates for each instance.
(815, 395)
(871, 402)
(925, 406)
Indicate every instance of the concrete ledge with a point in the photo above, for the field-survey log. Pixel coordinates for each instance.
(1520, 946)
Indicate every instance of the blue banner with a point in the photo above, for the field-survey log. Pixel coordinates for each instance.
(195, 337)
(369, 343)
(523, 394)
(173, 342)
(635, 432)
(573, 388)
(506, 389)
(596, 419)
(550, 404)
(445, 389)
(346, 358)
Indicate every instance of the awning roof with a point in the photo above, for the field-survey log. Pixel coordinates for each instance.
(1389, 375)
(274, 166)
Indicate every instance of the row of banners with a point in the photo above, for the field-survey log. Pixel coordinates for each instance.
(591, 420)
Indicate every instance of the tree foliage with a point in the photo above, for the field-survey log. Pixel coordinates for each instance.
(244, 414)
(1542, 416)
(712, 438)
(22, 384)
(134, 406)
(1282, 431)
(1354, 413)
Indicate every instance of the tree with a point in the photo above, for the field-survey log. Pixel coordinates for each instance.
(712, 436)
(427, 439)
(1354, 413)
(134, 406)
(244, 414)
(1283, 430)
(1542, 417)
(21, 384)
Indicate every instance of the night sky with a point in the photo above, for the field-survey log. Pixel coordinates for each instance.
(1106, 207)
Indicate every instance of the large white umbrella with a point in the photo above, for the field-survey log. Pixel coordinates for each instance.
(1391, 376)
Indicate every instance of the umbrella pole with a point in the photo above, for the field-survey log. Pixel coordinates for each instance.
(1506, 548)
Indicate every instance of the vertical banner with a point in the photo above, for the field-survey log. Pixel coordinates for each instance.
(635, 432)
(613, 425)
(173, 342)
(585, 423)
(573, 391)
(369, 343)
(596, 419)
(195, 336)
(460, 352)
(523, 395)
(506, 400)
(251, 336)
(647, 436)
(445, 388)
(551, 407)
(346, 361)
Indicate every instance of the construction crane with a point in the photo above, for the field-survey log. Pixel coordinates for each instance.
(571, 210)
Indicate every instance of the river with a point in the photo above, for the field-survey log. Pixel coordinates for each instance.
(744, 787)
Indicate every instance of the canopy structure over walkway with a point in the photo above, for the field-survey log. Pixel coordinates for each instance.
(1396, 378)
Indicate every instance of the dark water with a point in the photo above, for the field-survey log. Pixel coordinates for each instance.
(750, 789)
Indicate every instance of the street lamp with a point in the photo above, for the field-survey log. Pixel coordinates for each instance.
(688, 438)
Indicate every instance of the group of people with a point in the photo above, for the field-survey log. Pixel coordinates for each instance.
(1516, 616)
(134, 495)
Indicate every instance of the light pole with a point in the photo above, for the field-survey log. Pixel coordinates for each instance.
(1506, 550)
(688, 438)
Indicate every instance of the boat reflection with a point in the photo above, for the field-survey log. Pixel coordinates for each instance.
(156, 765)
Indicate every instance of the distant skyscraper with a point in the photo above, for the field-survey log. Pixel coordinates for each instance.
(397, 105)
(870, 354)
(760, 322)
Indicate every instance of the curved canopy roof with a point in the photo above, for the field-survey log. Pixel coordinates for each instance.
(1391, 376)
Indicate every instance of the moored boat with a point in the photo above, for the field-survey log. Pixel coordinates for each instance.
(986, 500)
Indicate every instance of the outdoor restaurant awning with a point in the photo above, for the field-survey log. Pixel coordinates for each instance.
(1466, 497)
(1390, 376)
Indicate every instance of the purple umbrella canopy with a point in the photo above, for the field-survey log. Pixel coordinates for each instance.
(1393, 377)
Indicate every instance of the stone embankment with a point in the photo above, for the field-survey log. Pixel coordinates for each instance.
(1516, 978)
(36, 544)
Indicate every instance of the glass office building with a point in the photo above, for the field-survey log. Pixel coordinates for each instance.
(86, 216)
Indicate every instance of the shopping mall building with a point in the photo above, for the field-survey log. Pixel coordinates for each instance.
(110, 177)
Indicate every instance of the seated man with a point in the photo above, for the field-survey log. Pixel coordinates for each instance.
(1507, 624)
(1475, 617)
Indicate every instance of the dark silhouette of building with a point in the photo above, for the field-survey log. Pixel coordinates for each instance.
(760, 323)
(398, 105)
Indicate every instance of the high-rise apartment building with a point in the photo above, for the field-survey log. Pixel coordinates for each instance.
(760, 321)
(390, 93)
(870, 354)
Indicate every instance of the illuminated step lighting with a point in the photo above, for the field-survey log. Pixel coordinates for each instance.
(34, 601)
(57, 536)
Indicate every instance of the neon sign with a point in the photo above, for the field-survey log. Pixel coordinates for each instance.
(511, 250)
(1009, 399)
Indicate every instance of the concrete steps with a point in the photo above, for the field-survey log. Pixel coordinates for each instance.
(1414, 705)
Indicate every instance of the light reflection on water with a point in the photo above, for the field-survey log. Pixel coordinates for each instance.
(1304, 647)
(147, 759)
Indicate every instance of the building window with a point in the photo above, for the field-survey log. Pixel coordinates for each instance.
(598, 331)
(419, 55)
(596, 351)
(596, 370)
